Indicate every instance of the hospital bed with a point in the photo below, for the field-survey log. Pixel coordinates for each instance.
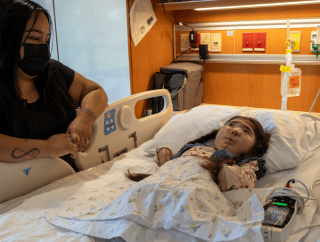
(45, 200)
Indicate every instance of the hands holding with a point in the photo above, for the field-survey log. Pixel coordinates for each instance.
(60, 145)
(77, 139)
(80, 130)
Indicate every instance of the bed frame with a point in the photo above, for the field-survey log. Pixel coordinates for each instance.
(116, 131)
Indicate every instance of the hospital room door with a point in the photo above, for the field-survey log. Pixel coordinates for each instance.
(93, 40)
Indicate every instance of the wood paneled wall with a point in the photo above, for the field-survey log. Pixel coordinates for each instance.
(275, 41)
(257, 86)
(154, 51)
(230, 84)
(251, 84)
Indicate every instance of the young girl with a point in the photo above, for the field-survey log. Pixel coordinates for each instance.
(231, 154)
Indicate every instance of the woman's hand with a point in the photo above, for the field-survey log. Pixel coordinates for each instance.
(164, 155)
(81, 131)
(222, 180)
(60, 145)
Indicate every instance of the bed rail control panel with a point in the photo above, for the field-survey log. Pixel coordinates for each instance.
(279, 213)
(109, 122)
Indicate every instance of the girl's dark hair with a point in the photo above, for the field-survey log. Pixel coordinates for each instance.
(258, 150)
(215, 164)
(14, 15)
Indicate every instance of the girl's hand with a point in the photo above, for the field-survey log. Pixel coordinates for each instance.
(164, 155)
(60, 145)
(81, 131)
(222, 181)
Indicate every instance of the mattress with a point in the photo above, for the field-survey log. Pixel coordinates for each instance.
(74, 208)
(23, 218)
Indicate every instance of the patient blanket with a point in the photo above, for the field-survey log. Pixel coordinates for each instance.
(180, 197)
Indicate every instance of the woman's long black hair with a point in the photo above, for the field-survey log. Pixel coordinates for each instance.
(14, 15)
(213, 165)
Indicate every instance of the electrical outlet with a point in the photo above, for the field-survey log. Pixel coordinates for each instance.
(184, 42)
(205, 39)
(215, 40)
(313, 38)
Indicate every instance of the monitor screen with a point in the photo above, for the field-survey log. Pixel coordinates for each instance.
(275, 216)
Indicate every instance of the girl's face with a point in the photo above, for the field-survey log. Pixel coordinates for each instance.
(236, 136)
(38, 34)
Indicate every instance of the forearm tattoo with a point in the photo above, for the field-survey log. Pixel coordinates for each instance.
(88, 112)
(18, 153)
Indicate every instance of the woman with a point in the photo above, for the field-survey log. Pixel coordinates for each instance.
(39, 96)
(232, 153)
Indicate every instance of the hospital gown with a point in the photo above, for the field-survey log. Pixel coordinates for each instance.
(237, 176)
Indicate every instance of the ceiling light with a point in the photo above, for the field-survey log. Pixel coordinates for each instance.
(259, 5)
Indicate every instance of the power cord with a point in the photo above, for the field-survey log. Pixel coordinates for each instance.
(181, 55)
(313, 225)
(166, 14)
(289, 192)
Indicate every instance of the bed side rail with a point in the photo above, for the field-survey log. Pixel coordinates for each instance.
(117, 130)
(20, 178)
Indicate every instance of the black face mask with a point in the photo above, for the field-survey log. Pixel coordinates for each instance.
(35, 60)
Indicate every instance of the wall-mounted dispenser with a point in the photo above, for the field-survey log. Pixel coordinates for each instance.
(315, 41)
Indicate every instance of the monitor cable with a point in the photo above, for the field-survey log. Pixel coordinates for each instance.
(289, 192)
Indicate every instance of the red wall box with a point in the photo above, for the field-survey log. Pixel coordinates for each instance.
(247, 42)
(260, 40)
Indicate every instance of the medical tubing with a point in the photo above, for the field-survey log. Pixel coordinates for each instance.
(314, 102)
(288, 192)
(288, 29)
(311, 187)
(295, 195)
(306, 227)
(285, 80)
(313, 225)
(285, 76)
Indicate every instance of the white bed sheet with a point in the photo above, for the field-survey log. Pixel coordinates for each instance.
(22, 219)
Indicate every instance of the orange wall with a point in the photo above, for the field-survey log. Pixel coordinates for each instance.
(154, 51)
(257, 86)
(238, 84)
(275, 41)
(251, 84)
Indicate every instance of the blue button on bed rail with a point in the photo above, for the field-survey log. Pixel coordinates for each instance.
(109, 122)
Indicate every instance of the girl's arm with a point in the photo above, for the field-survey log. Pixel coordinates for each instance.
(16, 149)
(163, 154)
(235, 177)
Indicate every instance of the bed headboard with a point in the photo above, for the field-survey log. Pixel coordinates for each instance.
(117, 130)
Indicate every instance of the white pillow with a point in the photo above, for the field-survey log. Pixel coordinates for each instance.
(292, 135)
(197, 122)
(291, 138)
